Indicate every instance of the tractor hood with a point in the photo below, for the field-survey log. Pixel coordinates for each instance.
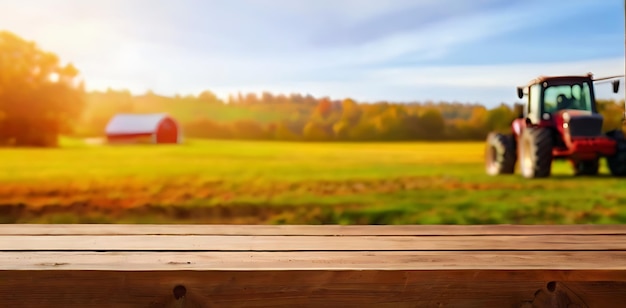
(579, 123)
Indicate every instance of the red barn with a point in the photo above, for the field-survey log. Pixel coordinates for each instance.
(143, 128)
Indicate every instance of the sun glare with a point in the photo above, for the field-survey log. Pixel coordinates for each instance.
(54, 77)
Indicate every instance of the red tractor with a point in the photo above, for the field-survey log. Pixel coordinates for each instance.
(559, 121)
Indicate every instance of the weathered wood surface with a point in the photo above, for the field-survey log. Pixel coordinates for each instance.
(305, 230)
(314, 243)
(328, 260)
(312, 266)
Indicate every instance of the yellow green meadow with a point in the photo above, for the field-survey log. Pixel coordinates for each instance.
(256, 182)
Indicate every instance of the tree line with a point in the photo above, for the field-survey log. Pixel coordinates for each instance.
(297, 117)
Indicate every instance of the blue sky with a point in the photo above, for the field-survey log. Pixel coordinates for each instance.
(397, 50)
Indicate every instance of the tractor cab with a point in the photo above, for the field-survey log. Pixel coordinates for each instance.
(565, 104)
(550, 96)
(560, 120)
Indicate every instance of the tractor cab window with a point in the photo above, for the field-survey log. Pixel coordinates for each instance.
(560, 97)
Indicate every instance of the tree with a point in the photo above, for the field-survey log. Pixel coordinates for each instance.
(431, 124)
(206, 128)
(208, 97)
(390, 124)
(314, 131)
(247, 129)
(323, 109)
(350, 111)
(341, 130)
(612, 112)
(282, 131)
(39, 97)
(250, 99)
(363, 131)
(500, 118)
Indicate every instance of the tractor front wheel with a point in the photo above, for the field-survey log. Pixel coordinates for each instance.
(535, 152)
(500, 154)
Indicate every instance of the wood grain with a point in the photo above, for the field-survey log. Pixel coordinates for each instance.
(289, 288)
(312, 266)
(309, 230)
(313, 243)
(295, 260)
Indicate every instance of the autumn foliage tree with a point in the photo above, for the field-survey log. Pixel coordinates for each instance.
(39, 97)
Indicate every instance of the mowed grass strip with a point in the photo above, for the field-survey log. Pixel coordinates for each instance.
(236, 160)
(291, 183)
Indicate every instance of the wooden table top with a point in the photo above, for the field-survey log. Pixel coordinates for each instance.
(312, 266)
(262, 247)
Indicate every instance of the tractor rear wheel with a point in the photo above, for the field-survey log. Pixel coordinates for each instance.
(617, 162)
(587, 167)
(535, 152)
(500, 154)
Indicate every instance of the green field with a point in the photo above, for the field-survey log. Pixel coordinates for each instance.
(291, 183)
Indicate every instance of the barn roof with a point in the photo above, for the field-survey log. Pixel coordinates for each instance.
(134, 123)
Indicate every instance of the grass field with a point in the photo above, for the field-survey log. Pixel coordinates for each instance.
(291, 183)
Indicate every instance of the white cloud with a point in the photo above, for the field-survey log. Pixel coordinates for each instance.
(495, 75)
(121, 44)
(350, 11)
(488, 84)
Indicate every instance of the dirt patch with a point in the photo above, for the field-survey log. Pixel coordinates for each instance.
(148, 213)
(194, 200)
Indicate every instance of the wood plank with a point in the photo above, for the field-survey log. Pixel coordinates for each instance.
(308, 230)
(321, 261)
(311, 266)
(289, 288)
(311, 243)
